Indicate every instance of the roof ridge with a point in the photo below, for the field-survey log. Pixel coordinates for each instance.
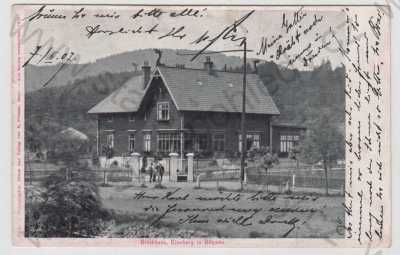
(201, 69)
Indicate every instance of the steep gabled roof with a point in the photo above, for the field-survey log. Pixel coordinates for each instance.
(125, 99)
(198, 90)
(195, 90)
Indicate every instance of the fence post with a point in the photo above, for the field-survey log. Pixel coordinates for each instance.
(135, 165)
(173, 166)
(293, 182)
(190, 166)
(198, 181)
(287, 186)
(106, 177)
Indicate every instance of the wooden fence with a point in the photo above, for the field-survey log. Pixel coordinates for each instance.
(305, 178)
(104, 176)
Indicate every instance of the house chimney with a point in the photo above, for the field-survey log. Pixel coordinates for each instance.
(255, 62)
(208, 65)
(146, 73)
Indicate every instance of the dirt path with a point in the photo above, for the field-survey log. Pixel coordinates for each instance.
(232, 214)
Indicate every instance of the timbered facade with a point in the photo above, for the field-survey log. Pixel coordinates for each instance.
(177, 109)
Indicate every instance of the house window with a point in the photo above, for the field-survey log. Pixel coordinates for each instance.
(131, 142)
(202, 142)
(168, 142)
(147, 142)
(161, 92)
(288, 142)
(219, 142)
(110, 140)
(131, 117)
(163, 111)
(109, 118)
(252, 141)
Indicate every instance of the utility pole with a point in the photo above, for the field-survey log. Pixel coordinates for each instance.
(243, 126)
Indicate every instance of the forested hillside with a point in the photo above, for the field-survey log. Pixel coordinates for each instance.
(124, 62)
(299, 95)
(49, 110)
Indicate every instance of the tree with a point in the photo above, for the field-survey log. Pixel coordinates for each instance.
(39, 132)
(68, 149)
(65, 208)
(263, 159)
(323, 143)
(268, 159)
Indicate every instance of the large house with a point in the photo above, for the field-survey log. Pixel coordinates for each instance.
(178, 109)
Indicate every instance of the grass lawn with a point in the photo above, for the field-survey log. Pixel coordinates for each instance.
(230, 214)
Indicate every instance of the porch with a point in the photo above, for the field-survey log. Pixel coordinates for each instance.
(208, 143)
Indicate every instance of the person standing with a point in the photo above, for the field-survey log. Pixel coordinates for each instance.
(151, 172)
(155, 171)
(160, 172)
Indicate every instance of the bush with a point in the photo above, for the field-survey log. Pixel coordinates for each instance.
(114, 163)
(65, 208)
(95, 160)
(255, 234)
(232, 154)
(159, 186)
(213, 162)
(204, 154)
(221, 188)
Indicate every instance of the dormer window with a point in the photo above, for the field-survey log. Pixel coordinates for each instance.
(131, 117)
(163, 111)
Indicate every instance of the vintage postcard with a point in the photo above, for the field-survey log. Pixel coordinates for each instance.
(201, 126)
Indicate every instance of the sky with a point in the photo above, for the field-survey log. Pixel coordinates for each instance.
(263, 23)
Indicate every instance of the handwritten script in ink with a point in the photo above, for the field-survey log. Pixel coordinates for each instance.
(268, 214)
(365, 56)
